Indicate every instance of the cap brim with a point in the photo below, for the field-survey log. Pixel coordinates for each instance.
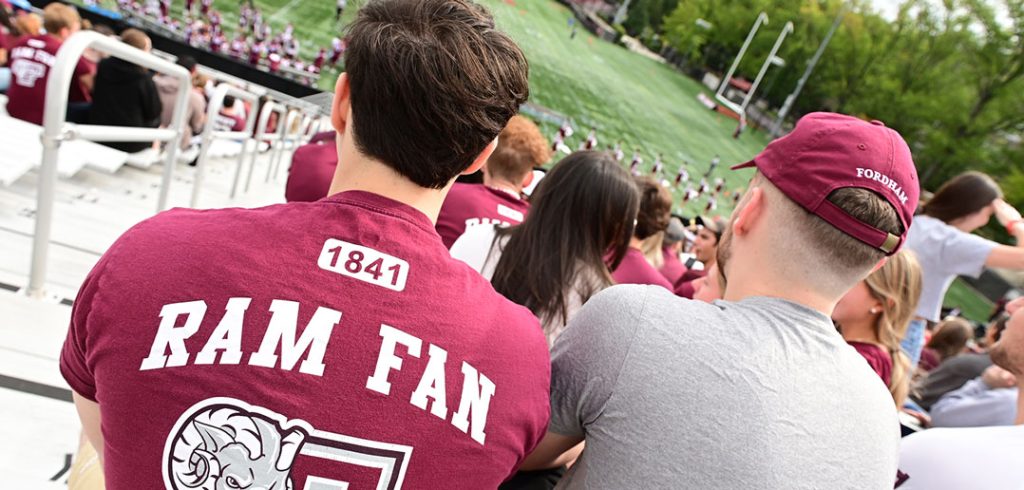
(323, 101)
(743, 165)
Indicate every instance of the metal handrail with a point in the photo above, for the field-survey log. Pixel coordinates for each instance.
(56, 130)
(286, 137)
(209, 134)
(262, 135)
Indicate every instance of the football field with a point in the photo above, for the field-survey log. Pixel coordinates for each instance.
(627, 97)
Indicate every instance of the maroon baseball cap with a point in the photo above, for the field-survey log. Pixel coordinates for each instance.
(827, 151)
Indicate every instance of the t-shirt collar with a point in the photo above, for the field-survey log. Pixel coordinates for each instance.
(798, 308)
(383, 205)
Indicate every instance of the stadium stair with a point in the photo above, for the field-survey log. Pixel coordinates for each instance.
(24, 152)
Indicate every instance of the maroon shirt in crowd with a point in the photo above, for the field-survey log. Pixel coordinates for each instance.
(335, 341)
(685, 286)
(635, 269)
(673, 268)
(312, 169)
(31, 60)
(877, 358)
(79, 92)
(474, 204)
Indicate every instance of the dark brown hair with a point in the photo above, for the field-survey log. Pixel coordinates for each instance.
(521, 147)
(655, 207)
(950, 338)
(432, 84)
(578, 226)
(961, 196)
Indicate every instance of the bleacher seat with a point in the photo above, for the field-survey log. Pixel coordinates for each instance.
(23, 150)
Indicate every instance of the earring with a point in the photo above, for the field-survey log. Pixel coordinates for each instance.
(873, 311)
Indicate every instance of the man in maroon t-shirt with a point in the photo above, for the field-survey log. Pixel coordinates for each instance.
(32, 58)
(228, 118)
(312, 169)
(705, 249)
(333, 344)
(521, 146)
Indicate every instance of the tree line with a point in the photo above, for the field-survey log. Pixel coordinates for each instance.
(948, 75)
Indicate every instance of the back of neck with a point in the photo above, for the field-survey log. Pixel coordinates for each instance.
(368, 175)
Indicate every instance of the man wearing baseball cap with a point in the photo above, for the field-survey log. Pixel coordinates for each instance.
(757, 390)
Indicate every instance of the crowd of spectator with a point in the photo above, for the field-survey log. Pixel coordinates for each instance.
(107, 90)
(253, 40)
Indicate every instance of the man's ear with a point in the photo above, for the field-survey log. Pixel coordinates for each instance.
(341, 105)
(748, 215)
(528, 179)
(481, 159)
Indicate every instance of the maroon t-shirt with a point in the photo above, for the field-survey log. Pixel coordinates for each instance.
(475, 204)
(686, 285)
(673, 268)
(634, 269)
(304, 344)
(79, 92)
(312, 169)
(877, 358)
(31, 60)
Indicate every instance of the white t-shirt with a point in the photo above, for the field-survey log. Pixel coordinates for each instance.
(944, 253)
(478, 249)
(986, 458)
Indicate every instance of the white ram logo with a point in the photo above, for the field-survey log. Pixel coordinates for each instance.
(223, 444)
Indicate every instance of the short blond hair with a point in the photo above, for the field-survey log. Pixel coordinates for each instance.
(57, 16)
(830, 258)
(28, 24)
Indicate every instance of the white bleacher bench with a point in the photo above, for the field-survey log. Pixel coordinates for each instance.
(23, 151)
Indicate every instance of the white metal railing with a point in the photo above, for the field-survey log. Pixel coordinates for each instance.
(210, 133)
(273, 139)
(286, 138)
(56, 130)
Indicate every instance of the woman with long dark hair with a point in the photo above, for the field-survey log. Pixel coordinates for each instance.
(578, 229)
(941, 237)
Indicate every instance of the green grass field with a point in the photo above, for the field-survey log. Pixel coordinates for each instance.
(627, 97)
(975, 307)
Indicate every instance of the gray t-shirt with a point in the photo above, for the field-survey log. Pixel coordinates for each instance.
(761, 393)
(944, 253)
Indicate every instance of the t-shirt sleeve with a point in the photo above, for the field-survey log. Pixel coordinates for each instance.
(964, 254)
(588, 357)
(74, 358)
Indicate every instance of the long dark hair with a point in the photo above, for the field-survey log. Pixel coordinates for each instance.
(961, 196)
(581, 214)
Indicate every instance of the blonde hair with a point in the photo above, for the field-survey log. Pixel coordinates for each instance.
(57, 16)
(651, 247)
(28, 24)
(897, 285)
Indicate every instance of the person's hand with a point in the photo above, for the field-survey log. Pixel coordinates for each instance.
(996, 377)
(1005, 213)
